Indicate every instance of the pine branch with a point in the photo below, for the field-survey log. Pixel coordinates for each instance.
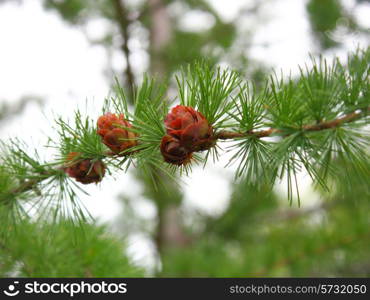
(222, 135)
(28, 185)
(348, 118)
(215, 105)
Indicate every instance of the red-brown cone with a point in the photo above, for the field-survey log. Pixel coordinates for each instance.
(190, 127)
(84, 171)
(173, 152)
(114, 132)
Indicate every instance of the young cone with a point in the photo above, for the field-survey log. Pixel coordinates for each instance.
(84, 171)
(115, 132)
(173, 152)
(190, 127)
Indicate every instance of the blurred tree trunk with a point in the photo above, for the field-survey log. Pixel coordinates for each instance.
(166, 196)
(160, 36)
(123, 24)
(169, 230)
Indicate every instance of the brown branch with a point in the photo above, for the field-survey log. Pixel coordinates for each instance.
(228, 135)
(32, 183)
(336, 122)
(351, 117)
(27, 185)
(222, 135)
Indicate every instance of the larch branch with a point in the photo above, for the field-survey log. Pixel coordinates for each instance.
(348, 118)
(222, 135)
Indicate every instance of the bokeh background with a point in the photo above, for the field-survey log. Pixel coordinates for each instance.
(59, 55)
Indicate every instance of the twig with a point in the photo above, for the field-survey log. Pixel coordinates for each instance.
(226, 135)
(222, 135)
(27, 185)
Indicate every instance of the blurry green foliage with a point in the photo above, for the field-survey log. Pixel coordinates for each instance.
(188, 47)
(78, 12)
(70, 10)
(255, 238)
(63, 250)
(243, 207)
(324, 16)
